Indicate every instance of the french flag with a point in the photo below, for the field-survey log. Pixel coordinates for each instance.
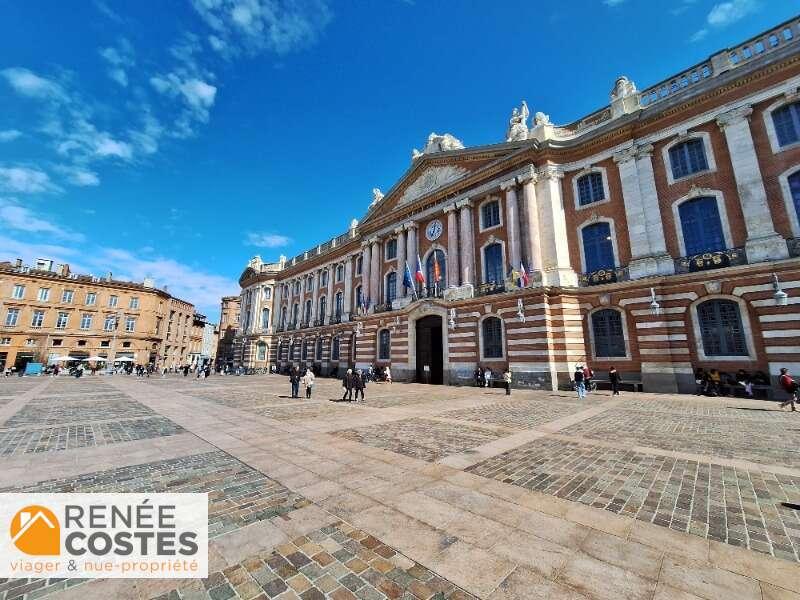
(419, 275)
(523, 275)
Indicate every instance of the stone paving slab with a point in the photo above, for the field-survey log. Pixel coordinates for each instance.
(517, 414)
(740, 508)
(50, 412)
(421, 438)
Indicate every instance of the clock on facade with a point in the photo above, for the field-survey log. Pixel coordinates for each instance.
(433, 230)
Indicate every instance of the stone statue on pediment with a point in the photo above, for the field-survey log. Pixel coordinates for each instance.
(541, 119)
(438, 143)
(377, 196)
(518, 123)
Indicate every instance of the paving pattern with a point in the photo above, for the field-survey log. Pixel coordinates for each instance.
(516, 414)
(421, 438)
(336, 561)
(50, 411)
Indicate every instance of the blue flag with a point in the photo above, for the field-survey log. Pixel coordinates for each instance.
(407, 281)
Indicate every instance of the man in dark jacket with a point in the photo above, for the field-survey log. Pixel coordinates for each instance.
(347, 384)
(359, 383)
(613, 377)
(294, 379)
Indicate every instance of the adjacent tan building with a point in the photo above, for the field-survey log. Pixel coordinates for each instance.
(228, 326)
(47, 313)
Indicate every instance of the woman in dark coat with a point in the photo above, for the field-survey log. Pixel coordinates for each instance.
(347, 384)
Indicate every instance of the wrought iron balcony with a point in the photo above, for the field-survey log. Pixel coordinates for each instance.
(319, 322)
(493, 287)
(291, 326)
(604, 276)
(336, 319)
(379, 308)
(711, 260)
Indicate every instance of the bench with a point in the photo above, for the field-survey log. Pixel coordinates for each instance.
(628, 386)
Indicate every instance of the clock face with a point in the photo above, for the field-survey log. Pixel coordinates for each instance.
(433, 230)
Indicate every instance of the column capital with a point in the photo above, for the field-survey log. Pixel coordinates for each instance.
(449, 208)
(410, 225)
(550, 172)
(374, 240)
(734, 116)
(508, 184)
(398, 230)
(528, 175)
(465, 203)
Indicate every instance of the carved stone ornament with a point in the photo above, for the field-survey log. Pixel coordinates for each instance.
(377, 196)
(541, 119)
(431, 179)
(487, 308)
(438, 143)
(714, 286)
(623, 87)
(518, 124)
(605, 299)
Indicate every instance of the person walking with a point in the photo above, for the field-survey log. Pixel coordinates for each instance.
(388, 374)
(360, 384)
(579, 382)
(613, 378)
(789, 386)
(507, 380)
(308, 381)
(587, 378)
(479, 377)
(347, 384)
(294, 380)
(487, 377)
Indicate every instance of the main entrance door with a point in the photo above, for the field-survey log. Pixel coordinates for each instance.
(430, 357)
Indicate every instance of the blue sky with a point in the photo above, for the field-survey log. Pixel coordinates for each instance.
(176, 139)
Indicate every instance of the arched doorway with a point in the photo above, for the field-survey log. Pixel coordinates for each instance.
(430, 352)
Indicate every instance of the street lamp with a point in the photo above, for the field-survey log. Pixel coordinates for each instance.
(781, 297)
(655, 307)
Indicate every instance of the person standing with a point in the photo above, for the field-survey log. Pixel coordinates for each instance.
(294, 380)
(507, 380)
(487, 377)
(360, 384)
(388, 374)
(587, 378)
(308, 381)
(479, 377)
(790, 387)
(613, 378)
(579, 382)
(347, 384)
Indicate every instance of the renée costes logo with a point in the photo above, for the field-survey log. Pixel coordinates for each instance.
(104, 535)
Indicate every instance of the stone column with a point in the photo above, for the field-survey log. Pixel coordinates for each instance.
(529, 215)
(512, 222)
(467, 243)
(366, 264)
(557, 270)
(645, 231)
(277, 300)
(329, 300)
(315, 297)
(763, 243)
(401, 260)
(452, 246)
(303, 280)
(411, 248)
(348, 286)
(375, 286)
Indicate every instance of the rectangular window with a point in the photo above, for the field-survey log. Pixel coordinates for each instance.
(6, 341)
(57, 342)
(18, 293)
(130, 324)
(105, 343)
(61, 320)
(490, 214)
(113, 300)
(391, 249)
(267, 293)
(110, 323)
(44, 294)
(688, 158)
(590, 189)
(133, 303)
(67, 296)
(91, 298)
(12, 316)
(339, 273)
(38, 318)
(86, 321)
(324, 280)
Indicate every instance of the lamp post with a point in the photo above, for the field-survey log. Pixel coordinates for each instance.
(781, 297)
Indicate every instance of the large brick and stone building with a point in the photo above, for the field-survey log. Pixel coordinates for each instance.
(48, 312)
(659, 234)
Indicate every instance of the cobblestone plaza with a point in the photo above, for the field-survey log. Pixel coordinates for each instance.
(426, 491)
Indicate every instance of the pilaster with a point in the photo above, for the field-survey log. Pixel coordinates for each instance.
(452, 246)
(557, 270)
(467, 243)
(512, 222)
(400, 233)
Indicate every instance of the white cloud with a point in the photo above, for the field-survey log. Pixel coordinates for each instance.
(119, 58)
(267, 240)
(28, 83)
(105, 146)
(25, 180)
(725, 14)
(19, 218)
(264, 25)
(79, 176)
(198, 93)
(9, 135)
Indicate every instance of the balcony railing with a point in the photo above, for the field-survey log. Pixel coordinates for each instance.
(604, 276)
(291, 326)
(711, 260)
(319, 322)
(379, 308)
(336, 319)
(794, 247)
(487, 289)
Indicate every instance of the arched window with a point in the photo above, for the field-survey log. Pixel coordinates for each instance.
(359, 296)
(359, 265)
(338, 306)
(490, 214)
(787, 123)
(323, 278)
(434, 282)
(283, 317)
(493, 263)
(794, 189)
(687, 158)
(609, 336)
(339, 273)
(391, 287)
(492, 338)
(261, 351)
(318, 351)
(307, 313)
(721, 328)
(323, 304)
(335, 348)
(295, 314)
(590, 189)
(391, 249)
(304, 347)
(293, 351)
(701, 226)
(264, 318)
(384, 344)
(598, 249)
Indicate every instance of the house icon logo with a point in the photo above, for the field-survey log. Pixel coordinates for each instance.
(35, 530)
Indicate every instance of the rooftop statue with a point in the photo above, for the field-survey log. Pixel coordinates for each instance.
(377, 196)
(518, 124)
(438, 143)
